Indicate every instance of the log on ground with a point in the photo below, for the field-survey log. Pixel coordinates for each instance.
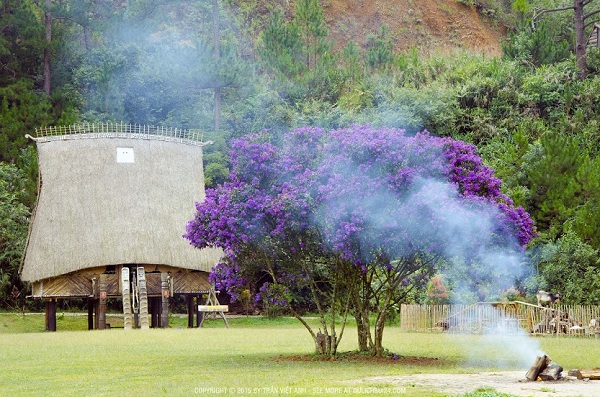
(541, 362)
(592, 374)
(551, 372)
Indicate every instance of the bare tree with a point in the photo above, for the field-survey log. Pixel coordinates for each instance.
(583, 18)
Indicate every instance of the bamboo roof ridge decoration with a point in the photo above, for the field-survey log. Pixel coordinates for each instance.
(115, 194)
(118, 130)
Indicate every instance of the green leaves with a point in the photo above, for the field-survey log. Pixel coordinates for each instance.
(13, 227)
(551, 168)
(568, 261)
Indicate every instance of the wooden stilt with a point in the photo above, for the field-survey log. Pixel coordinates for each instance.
(96, 312)
(154, 312)
(90, 303)
(143, 297)
(190, 310)
(199, 318)
(164, 312)
(46, 315)
(127, 319)
(102, 302)
(51, 315)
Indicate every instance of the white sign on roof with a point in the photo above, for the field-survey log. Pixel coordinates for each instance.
(125, 155)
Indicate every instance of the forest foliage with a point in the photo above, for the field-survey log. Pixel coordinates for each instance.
(262, 66)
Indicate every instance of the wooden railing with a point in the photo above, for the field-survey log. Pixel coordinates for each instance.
(118, 130)
(500, 317)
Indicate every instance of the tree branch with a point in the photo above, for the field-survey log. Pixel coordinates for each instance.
(14, 72)
(542, 12)
(589, 14)
(587, 25)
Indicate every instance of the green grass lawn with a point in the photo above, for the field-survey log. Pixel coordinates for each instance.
(253, 357)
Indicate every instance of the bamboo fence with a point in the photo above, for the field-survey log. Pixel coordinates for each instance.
(502, 317)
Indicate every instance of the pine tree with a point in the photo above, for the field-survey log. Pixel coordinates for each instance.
(312, 30)
(281, 47)
(380, 49)
(551, 171)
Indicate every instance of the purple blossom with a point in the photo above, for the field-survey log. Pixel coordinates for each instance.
(351, 193)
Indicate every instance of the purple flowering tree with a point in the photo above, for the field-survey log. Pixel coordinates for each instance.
(357, 217)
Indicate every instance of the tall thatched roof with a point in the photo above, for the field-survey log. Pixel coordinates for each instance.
(115, 195)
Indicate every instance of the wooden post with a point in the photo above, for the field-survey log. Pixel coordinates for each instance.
(90, 303)
(96, 312)
(126, 294)
(102, 302)
(143, 297)
(190, 310)
(154, 312)
(51, 315)
(199, 315)
(164, 312)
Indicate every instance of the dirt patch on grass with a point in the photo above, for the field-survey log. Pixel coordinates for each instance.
(391, 359)
(511, 382)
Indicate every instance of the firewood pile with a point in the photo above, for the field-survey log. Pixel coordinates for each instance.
(544, 370)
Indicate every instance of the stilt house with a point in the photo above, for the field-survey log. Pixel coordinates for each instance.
(113, 204)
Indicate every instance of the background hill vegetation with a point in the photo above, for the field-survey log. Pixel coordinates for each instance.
(500, 74)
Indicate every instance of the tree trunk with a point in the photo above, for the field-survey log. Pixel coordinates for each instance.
(363, 329)
(217, 56)
(48, 23)
(380, 322)
(379, 326)
(87, 36)
(580, 39)
(363, 326)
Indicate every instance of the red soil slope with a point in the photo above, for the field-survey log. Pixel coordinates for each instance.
(429, 25)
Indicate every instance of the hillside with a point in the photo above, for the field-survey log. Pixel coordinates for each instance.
(431, 25)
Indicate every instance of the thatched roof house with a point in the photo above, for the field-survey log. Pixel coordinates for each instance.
(115, 197)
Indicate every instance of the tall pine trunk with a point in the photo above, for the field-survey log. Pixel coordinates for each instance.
(48, 24)
(580, 39)
(217, 56)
